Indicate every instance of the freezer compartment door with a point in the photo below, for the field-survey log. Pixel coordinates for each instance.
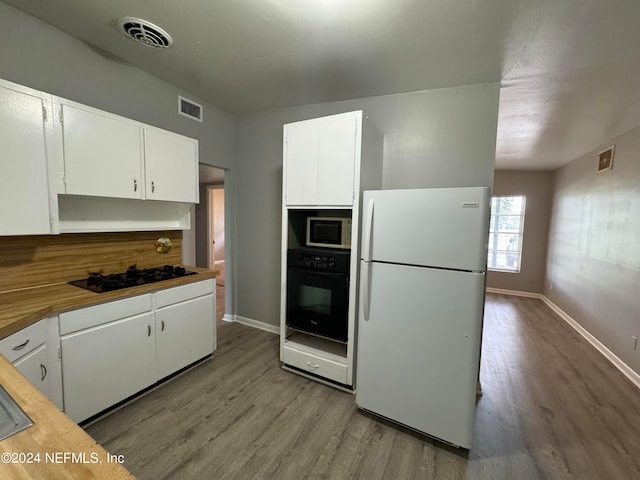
(436, 227)
(419, 350)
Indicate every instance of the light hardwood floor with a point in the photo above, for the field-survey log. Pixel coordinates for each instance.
(552, 408)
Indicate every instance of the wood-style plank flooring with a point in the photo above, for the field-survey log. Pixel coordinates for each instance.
(552, 408)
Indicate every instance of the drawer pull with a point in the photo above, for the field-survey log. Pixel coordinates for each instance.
(21, 346)
(162, 325)
(43, 370)
(148, 330)
(135, 185)
(313, 365)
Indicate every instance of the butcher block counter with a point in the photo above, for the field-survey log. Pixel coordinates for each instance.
(21, 308)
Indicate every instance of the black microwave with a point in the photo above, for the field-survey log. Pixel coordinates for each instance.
(332, 232)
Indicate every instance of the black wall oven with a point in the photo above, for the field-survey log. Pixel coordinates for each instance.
(317, 291)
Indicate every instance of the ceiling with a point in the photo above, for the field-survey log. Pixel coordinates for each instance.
(568, 69)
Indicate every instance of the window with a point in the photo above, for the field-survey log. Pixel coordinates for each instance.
(505, 233)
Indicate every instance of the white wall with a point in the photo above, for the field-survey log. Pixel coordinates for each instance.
(443, 137)
(593, 266)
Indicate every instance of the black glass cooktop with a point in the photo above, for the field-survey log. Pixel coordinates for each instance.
(133, 277)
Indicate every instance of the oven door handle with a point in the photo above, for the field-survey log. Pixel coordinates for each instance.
(318, 273)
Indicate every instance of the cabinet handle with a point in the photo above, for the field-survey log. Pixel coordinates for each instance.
(153, 187)
(21, 346)
(162, 325)
(148, 330)
(43, 370)
(313, 365)
(135, 185)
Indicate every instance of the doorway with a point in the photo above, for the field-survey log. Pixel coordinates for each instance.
(210, 235)
(216, 230)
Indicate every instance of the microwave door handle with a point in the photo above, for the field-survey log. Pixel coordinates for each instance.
(368, 226)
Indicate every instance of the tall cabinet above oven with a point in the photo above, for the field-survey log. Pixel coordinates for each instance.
(327, 163)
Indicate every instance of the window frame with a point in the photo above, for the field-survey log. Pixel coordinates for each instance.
(492, 223)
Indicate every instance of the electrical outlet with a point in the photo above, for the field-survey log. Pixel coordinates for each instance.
(635, 342)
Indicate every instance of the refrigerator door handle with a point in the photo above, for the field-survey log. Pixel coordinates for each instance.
(366, 289)
(368, 226)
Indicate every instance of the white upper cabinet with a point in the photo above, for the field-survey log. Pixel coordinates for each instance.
(320, 158)
(24, 187)
(301, 162)
(68, 167)
(106, 155)
(336, 160)
(102, 154)
(171, 166)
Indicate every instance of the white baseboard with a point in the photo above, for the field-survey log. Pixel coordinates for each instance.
(227, 318)
(515, 293)
(625, 369)
(257, 324)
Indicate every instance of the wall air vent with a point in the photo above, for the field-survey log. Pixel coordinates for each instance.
(189, 108)
(145, 33)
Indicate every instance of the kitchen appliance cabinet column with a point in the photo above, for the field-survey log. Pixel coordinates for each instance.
(24, 185)
(327, 163)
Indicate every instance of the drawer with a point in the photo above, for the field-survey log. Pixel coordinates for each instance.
(183, 292)
(105, 312)
(317, 365)
(24, 341)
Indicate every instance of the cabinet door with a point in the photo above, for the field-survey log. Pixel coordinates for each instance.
(37, 368)
(336, 160)
(184, 334)
(104, 365)
(24, 191)
(301, 163)
(102, 154)
(171, 166)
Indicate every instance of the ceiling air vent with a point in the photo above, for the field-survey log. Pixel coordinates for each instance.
(145, 32)
(189, 108)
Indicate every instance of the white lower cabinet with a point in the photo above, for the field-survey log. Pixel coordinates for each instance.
(185, 331)
(114, 350)
(43, 372)
(34, 352)
(106, 364)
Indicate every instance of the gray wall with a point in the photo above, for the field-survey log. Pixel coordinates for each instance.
(538, 188)
(593, 269)
(442, 137)
(40, 56)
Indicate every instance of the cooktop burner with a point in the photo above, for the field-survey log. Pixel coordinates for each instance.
(132, 277)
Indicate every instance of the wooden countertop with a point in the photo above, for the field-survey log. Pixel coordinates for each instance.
(54, 447)
(21, 308)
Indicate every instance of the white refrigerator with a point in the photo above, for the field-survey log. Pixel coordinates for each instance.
(421, 304)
